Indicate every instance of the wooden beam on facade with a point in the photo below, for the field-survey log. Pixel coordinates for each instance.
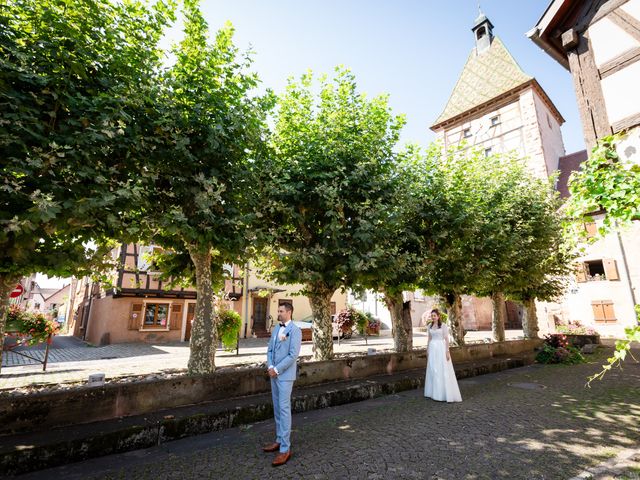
(628, 23)
(627, 123)
(621, 61)
(591, 104)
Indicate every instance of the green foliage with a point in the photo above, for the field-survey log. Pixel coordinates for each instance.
(74, 81)
(363, 320)
(210, 129)
(623, 348)
(605, 182)
(229, 325)
(31, 328)
(493, 227)
(556, 349)
(324, 186)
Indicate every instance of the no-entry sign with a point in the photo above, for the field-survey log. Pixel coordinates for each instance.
(17, 291)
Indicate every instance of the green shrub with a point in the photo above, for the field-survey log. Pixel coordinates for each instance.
(556, 349)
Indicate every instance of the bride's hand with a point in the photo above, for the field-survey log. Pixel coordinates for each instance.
(448, 357)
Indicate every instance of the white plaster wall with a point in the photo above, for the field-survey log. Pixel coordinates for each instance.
(632, 7)
(576, 303)
(552, 144)
(621, 92)
(608, 41)
(523, 128)
(532, 136)
(629, 148)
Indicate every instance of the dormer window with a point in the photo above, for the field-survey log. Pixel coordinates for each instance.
(495, 121)
(466, 133)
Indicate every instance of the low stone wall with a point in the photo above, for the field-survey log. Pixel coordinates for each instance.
(41, 411)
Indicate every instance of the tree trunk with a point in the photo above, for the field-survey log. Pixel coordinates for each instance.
(203, 340)
(499, 314)
(530, 319)
(402, 337)
(407, 322)
(453, 302)
(7, 284)
(320, 300)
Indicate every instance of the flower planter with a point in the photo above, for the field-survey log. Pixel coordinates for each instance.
(580, 340)
(373, 330)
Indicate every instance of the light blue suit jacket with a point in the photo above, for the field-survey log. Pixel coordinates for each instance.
(282, 354)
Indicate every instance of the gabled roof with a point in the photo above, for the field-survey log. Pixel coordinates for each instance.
(483, 78)
(567, 165)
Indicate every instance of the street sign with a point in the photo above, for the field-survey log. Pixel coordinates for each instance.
(19, 290)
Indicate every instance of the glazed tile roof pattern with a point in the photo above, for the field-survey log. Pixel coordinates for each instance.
(484, 78)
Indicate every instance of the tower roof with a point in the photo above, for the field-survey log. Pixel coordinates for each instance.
(484, 77)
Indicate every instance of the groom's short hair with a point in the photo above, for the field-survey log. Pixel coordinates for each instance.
(287, 306)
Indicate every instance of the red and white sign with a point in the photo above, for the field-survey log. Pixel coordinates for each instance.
(19, 290)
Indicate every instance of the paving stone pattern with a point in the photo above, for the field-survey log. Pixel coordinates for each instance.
(537, 422)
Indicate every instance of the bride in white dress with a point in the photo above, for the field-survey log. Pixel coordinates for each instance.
(440, 382)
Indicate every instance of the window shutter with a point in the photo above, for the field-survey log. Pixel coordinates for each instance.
(175, 320)
(609, 314)
(581, 272)
(610, 269)
(598, 311)
(591, 228)
(135, 316)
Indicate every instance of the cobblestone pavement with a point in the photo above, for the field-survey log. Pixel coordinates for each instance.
(537, 422)
(76, 363)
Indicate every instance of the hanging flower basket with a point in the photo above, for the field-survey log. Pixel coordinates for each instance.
(30, 328)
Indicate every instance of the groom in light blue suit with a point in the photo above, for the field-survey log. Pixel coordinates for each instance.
(282, 353)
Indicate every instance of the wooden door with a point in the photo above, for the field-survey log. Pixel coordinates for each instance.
(259, 314)
(191, 312)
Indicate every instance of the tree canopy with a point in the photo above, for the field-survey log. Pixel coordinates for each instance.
(322, 189)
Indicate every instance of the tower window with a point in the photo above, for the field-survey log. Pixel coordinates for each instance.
(481, 32)
(466, 133)
(495, 121)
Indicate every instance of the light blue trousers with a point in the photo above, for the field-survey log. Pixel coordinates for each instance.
(281, 395)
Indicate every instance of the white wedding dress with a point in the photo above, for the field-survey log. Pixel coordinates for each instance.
(440, 382)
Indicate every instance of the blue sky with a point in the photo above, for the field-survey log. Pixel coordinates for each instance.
(413, 50)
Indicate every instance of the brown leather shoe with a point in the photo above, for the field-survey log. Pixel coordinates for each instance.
(272, 447)
(281, 459)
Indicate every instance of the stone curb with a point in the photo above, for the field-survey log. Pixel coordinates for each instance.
(39, 450)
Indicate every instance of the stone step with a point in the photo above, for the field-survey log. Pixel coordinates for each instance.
(57, 446)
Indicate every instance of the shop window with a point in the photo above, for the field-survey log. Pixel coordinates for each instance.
(156, 315)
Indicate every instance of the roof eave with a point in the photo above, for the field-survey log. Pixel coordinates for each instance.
(484, 106)
(548, 47)
(550, 22)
